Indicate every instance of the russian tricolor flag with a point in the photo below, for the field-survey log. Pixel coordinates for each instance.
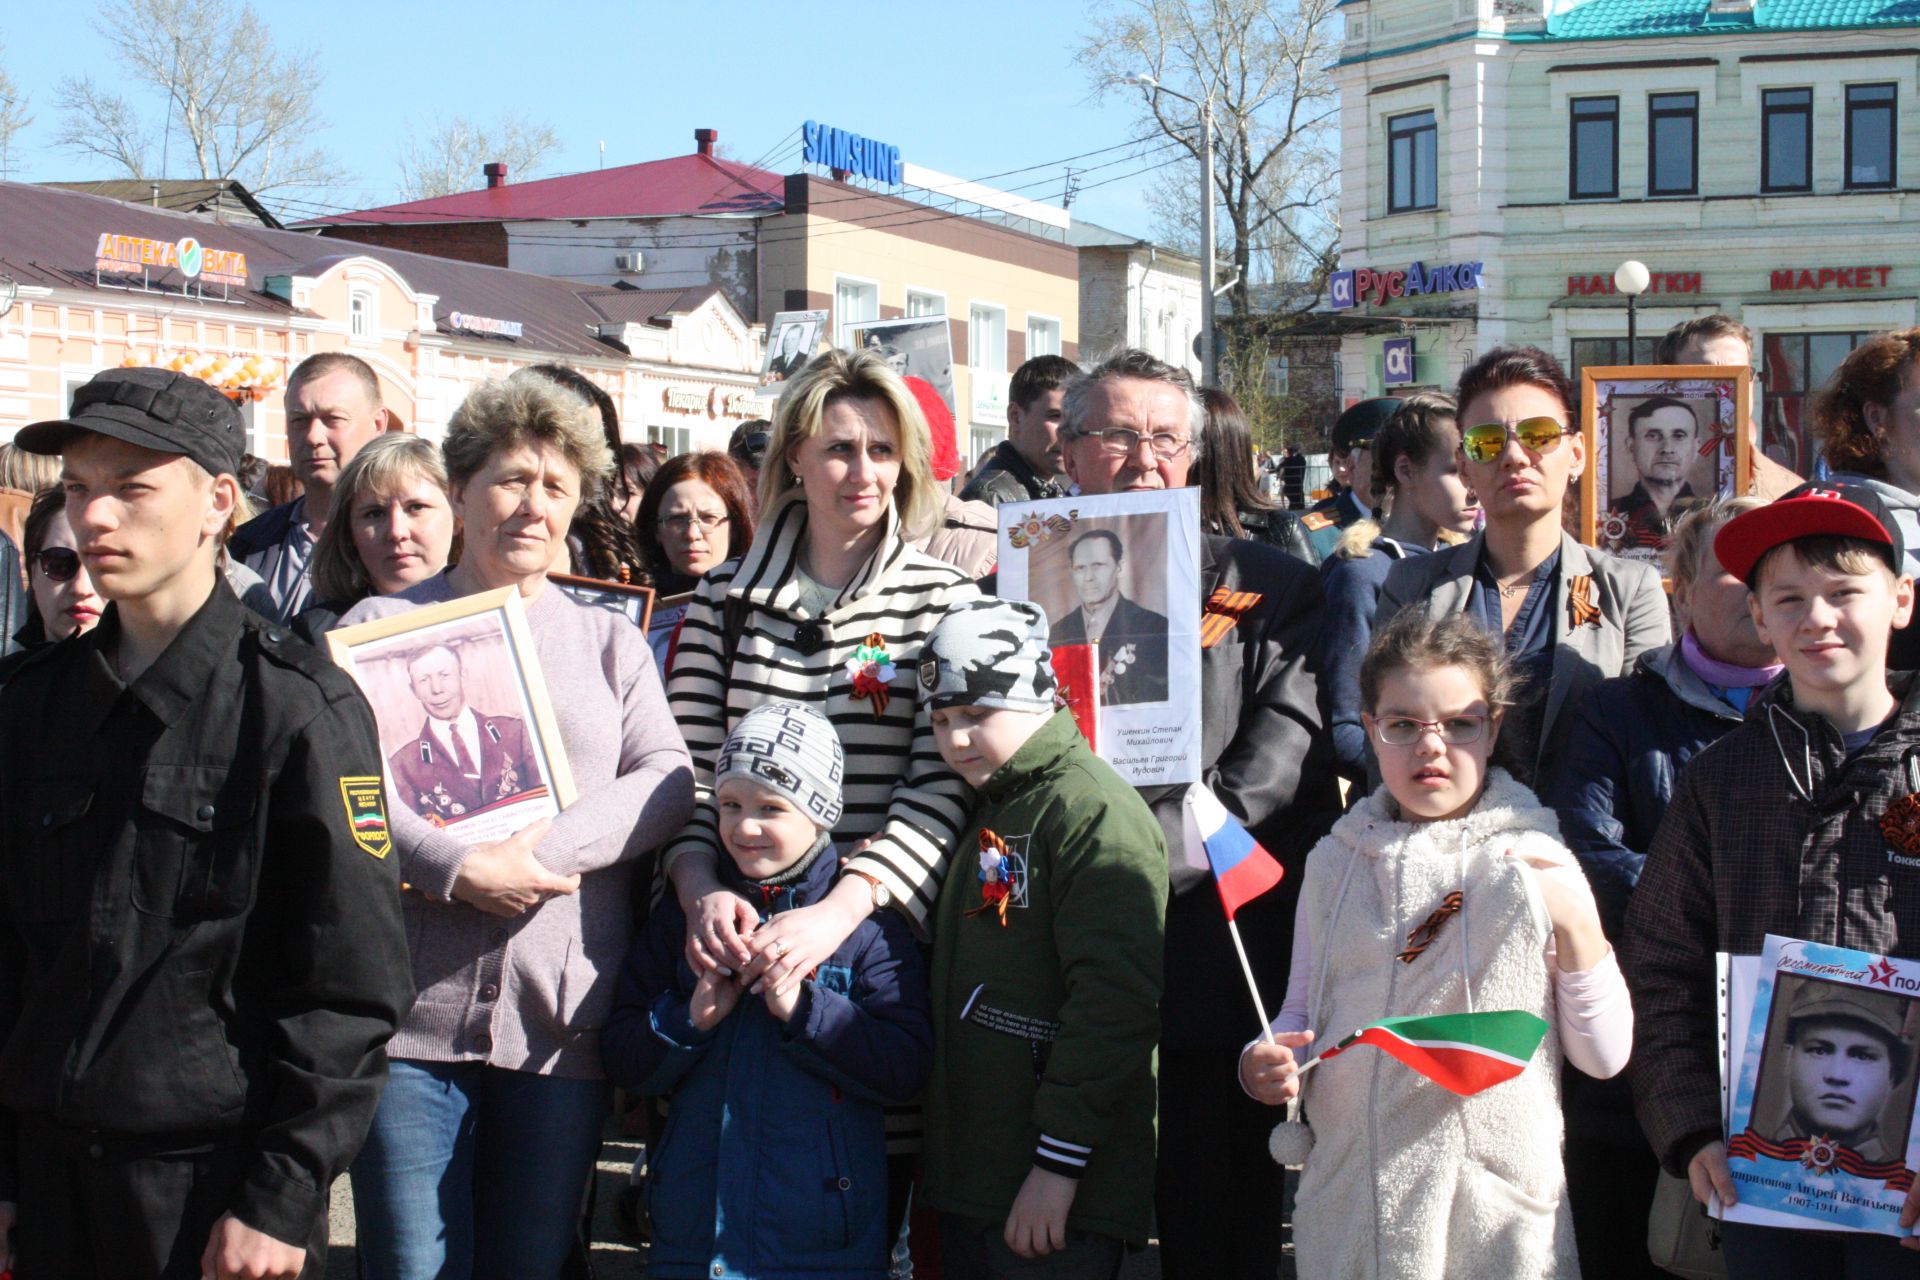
(1242, 870)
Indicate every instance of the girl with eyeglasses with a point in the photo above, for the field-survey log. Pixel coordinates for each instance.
(1569, 616)
(64, 601)
(1448, 891)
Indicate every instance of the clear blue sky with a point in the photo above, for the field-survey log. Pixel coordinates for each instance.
(972, 89)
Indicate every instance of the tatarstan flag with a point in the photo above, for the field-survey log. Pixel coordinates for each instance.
(1464, 1052)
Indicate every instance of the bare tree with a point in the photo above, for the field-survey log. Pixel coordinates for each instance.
(450, 158)
(244, 112)
(13, 118)
(1263, 65)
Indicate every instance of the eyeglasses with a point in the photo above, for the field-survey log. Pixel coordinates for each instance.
(751, 448)
(1488, 441)
(683, 524)
(57, 564)
(1122, 441)
(1404, 731)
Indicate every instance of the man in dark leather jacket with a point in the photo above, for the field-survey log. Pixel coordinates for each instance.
(1025, 467)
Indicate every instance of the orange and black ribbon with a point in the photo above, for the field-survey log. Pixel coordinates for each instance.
(1581, 610)
(1222, 614)
(1827, 1155)
(1422, 937)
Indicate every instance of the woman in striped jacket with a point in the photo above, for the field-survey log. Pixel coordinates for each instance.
(829, 607)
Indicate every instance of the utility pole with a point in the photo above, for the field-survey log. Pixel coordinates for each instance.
(1209, 358)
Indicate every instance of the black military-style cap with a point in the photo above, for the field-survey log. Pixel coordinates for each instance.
(155, 408)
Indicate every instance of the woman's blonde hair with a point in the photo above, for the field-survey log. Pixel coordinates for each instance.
(512, 413)
(384, 466)
(833, 376)
(1687, 545)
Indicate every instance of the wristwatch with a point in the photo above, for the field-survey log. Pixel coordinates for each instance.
(882, 896)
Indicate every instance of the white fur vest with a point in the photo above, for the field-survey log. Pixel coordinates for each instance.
(1406, 1179)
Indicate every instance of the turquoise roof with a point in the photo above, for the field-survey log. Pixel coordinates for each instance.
(1624, 19)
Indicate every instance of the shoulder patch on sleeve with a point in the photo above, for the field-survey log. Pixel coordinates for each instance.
(365, 803)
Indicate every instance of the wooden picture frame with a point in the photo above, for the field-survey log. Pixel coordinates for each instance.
(1630, 494)
(490, 686)
(635, 603)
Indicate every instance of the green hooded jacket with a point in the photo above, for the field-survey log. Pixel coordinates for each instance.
(1045, 1026)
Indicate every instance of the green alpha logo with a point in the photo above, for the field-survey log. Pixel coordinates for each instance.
(186, 255)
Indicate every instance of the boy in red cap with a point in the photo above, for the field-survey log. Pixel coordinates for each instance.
(1804, 822)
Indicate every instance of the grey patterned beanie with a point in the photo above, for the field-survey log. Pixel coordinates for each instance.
(789, 748)
(989, 653)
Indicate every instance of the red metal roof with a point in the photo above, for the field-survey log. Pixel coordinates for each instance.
(680, 186)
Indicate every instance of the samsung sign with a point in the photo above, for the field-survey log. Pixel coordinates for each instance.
(849, 152)
(1363, 284)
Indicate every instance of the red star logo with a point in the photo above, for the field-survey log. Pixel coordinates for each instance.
(1881, 973)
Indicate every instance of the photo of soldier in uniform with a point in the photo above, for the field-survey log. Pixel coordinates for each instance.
(1837, 1073)
(462, 759)
(1659, 444)
(921, 347)
(1660, 475)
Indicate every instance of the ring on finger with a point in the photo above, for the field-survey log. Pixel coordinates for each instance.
(780, 948)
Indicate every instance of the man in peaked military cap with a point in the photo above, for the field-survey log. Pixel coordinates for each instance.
(191, 1038)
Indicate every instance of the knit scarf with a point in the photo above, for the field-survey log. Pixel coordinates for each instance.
(1733, 685)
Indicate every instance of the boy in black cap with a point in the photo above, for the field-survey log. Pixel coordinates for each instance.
(1804, 821)
(190, 1027)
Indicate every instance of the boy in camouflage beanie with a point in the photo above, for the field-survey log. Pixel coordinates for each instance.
(1046, 969)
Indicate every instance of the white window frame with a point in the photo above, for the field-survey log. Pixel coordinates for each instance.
(1059, 337)
(841, 338)
(677, 438)
(974, 345)
(363, 325)
(938, 295)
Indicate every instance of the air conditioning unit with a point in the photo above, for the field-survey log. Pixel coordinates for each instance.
(629, 263)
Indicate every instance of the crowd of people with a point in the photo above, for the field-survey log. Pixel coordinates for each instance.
(898, 976)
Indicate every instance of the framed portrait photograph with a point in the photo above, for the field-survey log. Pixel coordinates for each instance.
(467, 731)
(1821, 1123)
(918, 348)
(792, 339)
(1120, 573)
(1660, 440)
(634, 603)
(668, 612)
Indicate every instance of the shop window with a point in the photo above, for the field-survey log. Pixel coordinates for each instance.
(1673, 140)
(676, 440)
(1279, 376)
(1786, 140)
(1413, 153)
(921, 303)
(1043, 337)
(1593, 158)
(1870, 135)
(987, 338)
(1792, 367)
(853, 301)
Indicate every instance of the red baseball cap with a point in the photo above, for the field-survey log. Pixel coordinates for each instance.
(1843, 510)
(946, 450)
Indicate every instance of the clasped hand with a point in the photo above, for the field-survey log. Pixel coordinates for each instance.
(505, 879)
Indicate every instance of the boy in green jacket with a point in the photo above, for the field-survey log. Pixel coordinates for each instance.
(1046, 971)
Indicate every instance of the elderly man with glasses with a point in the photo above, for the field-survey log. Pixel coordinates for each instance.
(1134, 423)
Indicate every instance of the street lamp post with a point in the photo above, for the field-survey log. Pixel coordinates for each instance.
(1632, 279)
(1209, 358)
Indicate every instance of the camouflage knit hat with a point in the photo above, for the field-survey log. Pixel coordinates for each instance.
(989, 653)
(789, 748)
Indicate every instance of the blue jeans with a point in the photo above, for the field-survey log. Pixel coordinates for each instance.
(1763, 1253)
(472, 1172)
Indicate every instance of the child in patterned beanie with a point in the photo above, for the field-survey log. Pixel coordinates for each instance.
(774, 1158)
(1046, 970)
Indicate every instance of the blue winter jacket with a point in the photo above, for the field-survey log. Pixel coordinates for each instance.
(1630, 737)
(773, 1163)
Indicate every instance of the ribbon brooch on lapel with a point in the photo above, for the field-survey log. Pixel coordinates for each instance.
(1222, 614)
(1581, 610)
(1423, 934)
(996, 877)
(872, 670)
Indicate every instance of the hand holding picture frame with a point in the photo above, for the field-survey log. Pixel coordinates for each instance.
(467, 731)
(1660, 440)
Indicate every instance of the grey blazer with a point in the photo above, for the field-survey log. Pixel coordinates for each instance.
(1633, 618)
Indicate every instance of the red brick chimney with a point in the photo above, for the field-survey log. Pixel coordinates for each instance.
(496, 174)
(705, 138)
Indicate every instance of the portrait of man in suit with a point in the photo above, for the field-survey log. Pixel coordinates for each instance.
(794, 348)
(1132, 638)
(462, 759)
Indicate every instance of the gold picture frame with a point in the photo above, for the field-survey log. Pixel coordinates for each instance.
(636, 603)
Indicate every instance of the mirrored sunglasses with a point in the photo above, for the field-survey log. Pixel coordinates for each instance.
(1488, 441)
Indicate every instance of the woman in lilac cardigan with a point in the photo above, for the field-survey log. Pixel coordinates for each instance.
(480, 1151)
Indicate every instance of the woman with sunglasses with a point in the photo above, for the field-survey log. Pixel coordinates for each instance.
(64, 601)
(1570, 616)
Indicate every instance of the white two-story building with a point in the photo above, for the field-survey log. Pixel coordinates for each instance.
(1502, 157)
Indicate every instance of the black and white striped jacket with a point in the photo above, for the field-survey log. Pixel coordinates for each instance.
(897, 789)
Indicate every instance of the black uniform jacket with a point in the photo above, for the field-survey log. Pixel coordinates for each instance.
(200, 929)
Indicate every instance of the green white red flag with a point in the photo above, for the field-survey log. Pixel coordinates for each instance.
(1464, 1052)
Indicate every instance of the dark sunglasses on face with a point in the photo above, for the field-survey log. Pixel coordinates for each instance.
(752, 448)
(1488, 441)
(57, 564)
